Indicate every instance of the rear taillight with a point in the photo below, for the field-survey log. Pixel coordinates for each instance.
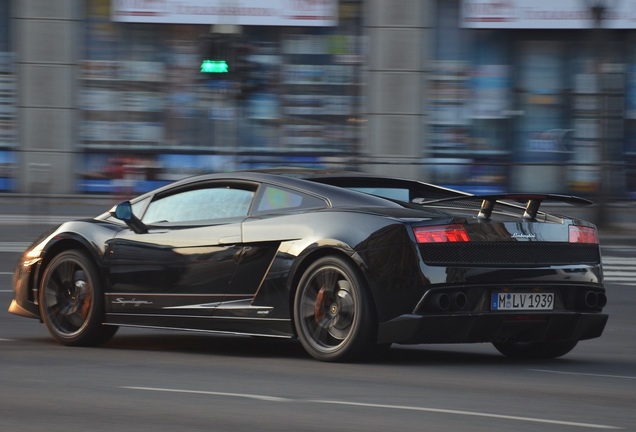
(581, 234)
(441, 234)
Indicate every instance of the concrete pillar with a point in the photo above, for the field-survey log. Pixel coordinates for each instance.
(48, 39)
(399, 33)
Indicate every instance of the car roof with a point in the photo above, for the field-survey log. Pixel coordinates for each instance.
(300, 180)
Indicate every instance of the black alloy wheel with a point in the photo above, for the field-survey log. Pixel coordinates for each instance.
(72, 301)
(332, 311)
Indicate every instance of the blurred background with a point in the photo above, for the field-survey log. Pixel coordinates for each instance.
(121, 96)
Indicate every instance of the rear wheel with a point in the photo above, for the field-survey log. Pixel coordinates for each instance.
(535, 350)
(72, 301)
(332, 311)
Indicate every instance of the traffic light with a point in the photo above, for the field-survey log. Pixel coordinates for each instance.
(227, 60)
(217, 57)
(214, 66)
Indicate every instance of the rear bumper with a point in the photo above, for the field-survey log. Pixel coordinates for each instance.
(492, 327)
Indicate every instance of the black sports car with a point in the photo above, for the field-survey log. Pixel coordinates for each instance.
(348, 264)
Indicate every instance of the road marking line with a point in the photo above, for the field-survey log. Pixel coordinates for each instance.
(37, 219)
(210, 393)
(617, 269)
(370, 405)
(617, 262)
(472, 413)
(584, 374)
(14, 246)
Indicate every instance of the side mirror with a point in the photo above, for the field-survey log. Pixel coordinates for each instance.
(123, 212)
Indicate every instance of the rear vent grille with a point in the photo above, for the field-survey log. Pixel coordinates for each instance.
(508, 254)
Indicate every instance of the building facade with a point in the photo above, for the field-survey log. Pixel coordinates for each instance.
(534, 95)
(97, 96)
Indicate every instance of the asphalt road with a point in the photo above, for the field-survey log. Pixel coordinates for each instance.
(170, 381)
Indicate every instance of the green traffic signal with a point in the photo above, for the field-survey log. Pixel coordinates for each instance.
(214, 66)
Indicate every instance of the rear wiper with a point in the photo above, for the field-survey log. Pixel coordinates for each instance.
(533, 202)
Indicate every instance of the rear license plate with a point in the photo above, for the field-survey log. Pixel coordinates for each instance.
(522, 301)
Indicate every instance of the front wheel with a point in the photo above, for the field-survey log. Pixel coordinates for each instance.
(332, 311)
(72, 301)
(535, 350)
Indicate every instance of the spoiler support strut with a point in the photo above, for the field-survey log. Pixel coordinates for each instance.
(533, 202)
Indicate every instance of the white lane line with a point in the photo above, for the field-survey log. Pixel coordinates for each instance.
(370, 405)
(6, 340)
(620, 270)
(472, 413)
(618, 247)
(6, 273)
(37, 219)
(584, 374)
(619, 260)
(6, 291)
(210, 393)
(620, 277)
(14, 246)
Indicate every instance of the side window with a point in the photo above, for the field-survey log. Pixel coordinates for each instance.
(199, 205)
(274, 198)
(138, 207)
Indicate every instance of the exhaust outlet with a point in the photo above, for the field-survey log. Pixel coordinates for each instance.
(442, 301)
(602, 300)
(459, 300)
(591, 299)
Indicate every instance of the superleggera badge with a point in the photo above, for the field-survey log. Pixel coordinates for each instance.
(133, 302)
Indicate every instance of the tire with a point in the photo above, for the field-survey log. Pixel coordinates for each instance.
(535, 350)
(332, 312)
(72, 301)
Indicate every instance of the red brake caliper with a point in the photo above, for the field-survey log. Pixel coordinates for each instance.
(319, 310)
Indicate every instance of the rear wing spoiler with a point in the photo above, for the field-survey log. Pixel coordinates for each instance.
(533, 202)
